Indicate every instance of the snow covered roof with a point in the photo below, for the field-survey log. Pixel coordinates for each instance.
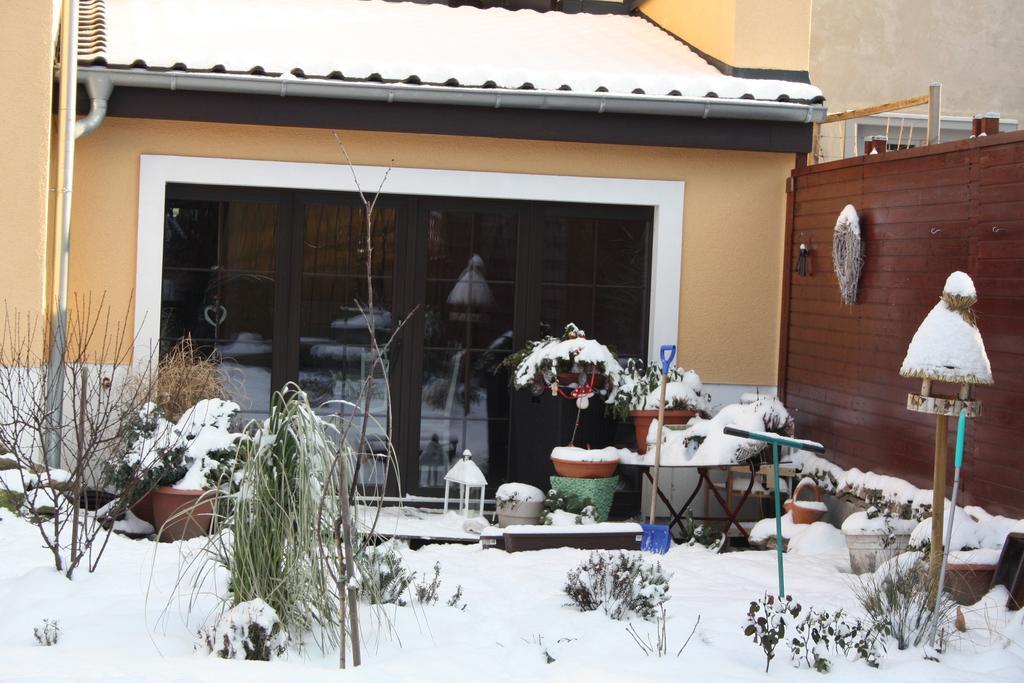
(411, 45)
(947, 346)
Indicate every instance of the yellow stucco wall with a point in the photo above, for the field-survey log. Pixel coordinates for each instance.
(27, 29)
(763, 34)
(732, 243)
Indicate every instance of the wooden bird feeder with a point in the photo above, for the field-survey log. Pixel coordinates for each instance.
(946, 348)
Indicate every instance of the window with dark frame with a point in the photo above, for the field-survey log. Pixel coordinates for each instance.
(274, 282)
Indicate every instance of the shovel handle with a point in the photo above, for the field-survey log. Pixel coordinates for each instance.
(668, 354)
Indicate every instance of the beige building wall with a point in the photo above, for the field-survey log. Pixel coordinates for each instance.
(734, 213)
(27, 40)
(875, 51)
(758, 34)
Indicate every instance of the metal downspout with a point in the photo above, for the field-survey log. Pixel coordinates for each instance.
(65, 176)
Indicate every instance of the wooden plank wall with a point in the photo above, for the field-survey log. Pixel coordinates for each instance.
(924, 213)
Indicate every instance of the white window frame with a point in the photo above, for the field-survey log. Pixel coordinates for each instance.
(156, 171)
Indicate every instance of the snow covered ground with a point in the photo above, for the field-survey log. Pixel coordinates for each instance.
(124, 623)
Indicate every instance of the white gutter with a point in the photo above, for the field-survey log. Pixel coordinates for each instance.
(600, 103)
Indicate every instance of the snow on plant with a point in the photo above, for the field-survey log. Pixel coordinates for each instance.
(511, 495)
(639, 389)
(272, 532)
(538, 364)
(622, 584)
(47, 633)
(249, 630)
(765, 414)
(823, 634)
(768, 620)
(426, 591)
(383, 577)
(698, 534)
(567, 509)
(199, 451)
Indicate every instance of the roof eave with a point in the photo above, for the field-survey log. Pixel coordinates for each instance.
(611, 103)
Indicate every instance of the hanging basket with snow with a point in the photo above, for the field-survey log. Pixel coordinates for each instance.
(848, 253)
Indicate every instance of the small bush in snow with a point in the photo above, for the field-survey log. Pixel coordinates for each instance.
(456, 599)
(698, 534)
(822, 634)
(567, 506)
(383, 578)
(895, 598)
(426, 593)
(768, 620)
(48, 633)
(249, 630)
(622, 584)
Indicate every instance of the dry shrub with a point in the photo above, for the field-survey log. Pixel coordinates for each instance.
(186, 376)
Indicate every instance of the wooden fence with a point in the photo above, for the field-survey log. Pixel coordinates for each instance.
(924, 213)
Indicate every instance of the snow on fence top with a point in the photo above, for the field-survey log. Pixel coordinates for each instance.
(412, 45)
(947, 346)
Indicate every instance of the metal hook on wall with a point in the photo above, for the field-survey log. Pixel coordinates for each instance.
(936, 231)
(996, 229)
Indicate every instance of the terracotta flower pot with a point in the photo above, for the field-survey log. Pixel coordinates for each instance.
(642, 423)
(802, 514)
(180, 514)
(968, 583)
(576, 469)
(143, 507)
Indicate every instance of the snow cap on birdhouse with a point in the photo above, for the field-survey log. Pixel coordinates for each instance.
(466, 472)
(947, 347)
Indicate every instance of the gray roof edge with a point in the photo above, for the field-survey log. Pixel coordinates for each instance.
(598, 102)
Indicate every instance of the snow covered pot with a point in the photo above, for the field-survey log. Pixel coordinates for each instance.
(518, 504)
(584, 463)
(806, 511)
(873, 537)
(188, 461)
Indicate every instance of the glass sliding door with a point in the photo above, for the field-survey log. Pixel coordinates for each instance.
(335, 358)
(274, 281)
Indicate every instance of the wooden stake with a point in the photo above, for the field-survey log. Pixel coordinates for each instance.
(938, 505)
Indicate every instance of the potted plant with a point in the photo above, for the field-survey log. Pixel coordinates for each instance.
(518, 504)
(187, 464)
(637, 394)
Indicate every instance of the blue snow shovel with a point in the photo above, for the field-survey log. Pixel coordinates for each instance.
(657, 538)
(961, 427)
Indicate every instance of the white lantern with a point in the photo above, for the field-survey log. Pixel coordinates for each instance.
(468, 476)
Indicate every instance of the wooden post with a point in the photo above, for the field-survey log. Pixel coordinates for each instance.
(938, 505)
(934, 112)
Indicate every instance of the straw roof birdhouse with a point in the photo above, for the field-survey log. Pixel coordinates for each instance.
(947, 347)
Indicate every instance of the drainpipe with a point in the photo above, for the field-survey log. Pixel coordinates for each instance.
(99, 88)
(65, 175)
